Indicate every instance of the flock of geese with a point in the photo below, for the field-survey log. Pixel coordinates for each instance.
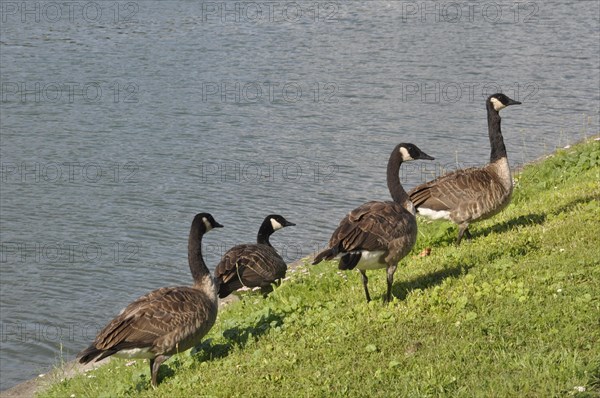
(375, 235)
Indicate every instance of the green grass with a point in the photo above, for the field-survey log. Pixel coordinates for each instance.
(514, 312)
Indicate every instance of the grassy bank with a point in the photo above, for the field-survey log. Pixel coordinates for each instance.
(514, 312)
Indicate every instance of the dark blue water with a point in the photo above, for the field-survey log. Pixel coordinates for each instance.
(121, 120)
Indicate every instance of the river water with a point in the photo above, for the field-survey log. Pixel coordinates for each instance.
(121, 120)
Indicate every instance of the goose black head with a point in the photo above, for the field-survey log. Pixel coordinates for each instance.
(205, 222)
(410, 152)
(277, 222)
(500, 101)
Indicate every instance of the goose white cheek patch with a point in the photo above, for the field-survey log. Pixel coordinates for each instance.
(207, 224)
(275, 224)
(497, 104)
(405, 155)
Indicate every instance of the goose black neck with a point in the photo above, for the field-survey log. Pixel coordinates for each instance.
(264, 233)
(195, 260)
(393, 179)
(495, 133)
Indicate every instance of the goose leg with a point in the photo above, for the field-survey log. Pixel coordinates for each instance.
(151, 372)
(365, 280)
(265, 290)
(390, 280)
(154, 365)
(468, 234)
(462, 229)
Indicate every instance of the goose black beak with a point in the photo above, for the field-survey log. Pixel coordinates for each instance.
(513, 102)
(426, 156)
(289, 224)
(217, 225)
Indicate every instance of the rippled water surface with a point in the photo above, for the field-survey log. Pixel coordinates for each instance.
(121, 120)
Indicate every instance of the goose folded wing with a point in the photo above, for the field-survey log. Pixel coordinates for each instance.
(254, 263)
(450, 191)
(152, 316)
(227, 267)
(370, 227)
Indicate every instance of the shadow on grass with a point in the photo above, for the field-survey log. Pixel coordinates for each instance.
(534, 219)
(567, 207)
(401, 289)
(164, 373)
(448, 235)
(236, 336)
(521, 221)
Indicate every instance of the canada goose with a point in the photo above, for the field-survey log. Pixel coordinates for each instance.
(471, 194)
(167, 320)
(378, 234)
(252, 265)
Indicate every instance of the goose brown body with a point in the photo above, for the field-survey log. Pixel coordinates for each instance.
(167, 320)
(252, 265)
(467, 195)
(473, 194)
(385, 227)
(378, 234)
